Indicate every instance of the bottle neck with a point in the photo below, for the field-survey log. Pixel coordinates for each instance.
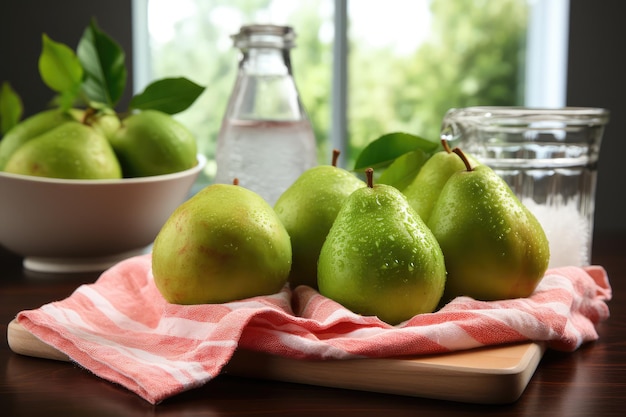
(265, 88)
(265, 62)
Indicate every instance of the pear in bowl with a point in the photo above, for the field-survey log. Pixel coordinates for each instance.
(64, 225)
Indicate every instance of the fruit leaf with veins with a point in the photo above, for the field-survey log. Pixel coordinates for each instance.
(383, 151)
(169, 95)
(60, 70)
(401, 172)
(95, 76)
(103, 62)
(398, 156)
(11, 108)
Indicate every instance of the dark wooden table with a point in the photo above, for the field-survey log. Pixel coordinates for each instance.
(588, 382)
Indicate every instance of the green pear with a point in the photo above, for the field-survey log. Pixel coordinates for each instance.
(424, 190)
(379, 258)
(308, 209)
(28, 129)
(494, 247)
(223, 244)
(71, 150)
(154, 143)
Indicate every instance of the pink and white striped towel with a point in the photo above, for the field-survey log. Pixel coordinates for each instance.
(121, 329)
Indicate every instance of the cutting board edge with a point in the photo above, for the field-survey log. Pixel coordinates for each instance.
(409, 377)
(416, 376)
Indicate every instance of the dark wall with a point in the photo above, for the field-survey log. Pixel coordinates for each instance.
(596, 75)
(22, 23)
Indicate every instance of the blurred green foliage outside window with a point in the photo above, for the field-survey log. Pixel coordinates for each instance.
(408, 61)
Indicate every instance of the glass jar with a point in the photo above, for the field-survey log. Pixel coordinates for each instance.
(548, 157)
(266, 140)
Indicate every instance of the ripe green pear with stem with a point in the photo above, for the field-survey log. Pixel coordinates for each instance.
(223, 244)
(494, 247)
(424, 190)
(379, 258)
(308, 209)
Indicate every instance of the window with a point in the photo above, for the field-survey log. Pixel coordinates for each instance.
(363, 71)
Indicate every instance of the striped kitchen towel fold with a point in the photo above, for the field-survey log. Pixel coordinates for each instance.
(121, 329)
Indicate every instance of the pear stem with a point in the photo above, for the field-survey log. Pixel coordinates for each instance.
(88, 115)
(235, 181)
(369, 173)
(336, 153)
(459, 152)
(446, 146)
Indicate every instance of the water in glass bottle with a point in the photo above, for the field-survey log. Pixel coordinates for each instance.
(266, 140)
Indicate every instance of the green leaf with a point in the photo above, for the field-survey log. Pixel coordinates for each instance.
(59, 67)
(169, 95)
(11, 108)
(103, 61)
(404, 169)
(383, 151)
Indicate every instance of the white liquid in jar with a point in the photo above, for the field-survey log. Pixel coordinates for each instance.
(265, 156)
(567, 232)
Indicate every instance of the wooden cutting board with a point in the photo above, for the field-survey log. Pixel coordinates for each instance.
(494, 375)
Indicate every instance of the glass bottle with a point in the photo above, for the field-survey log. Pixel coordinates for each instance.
(266, 140)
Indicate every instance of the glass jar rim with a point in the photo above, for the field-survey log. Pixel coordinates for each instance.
(511, 114)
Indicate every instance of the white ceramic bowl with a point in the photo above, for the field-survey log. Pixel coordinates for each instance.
(62, 225)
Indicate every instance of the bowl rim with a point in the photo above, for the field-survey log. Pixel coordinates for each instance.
(200, 158)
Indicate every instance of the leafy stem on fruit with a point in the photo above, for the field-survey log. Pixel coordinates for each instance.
(369, 173)
(94, 77)
(459, 152)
